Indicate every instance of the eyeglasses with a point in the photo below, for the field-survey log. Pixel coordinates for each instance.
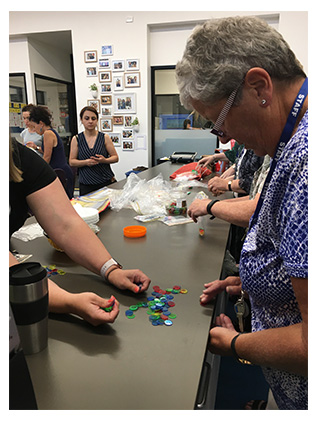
(223, 114)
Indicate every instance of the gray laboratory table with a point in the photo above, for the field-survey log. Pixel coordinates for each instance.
(132, 365)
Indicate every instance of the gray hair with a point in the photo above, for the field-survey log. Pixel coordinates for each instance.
(219, 53)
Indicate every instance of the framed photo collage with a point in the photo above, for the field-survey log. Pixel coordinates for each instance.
(115, 105)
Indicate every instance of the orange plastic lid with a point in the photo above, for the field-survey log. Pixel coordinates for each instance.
(134, 231)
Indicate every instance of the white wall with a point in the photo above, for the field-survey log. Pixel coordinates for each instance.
(156, 38)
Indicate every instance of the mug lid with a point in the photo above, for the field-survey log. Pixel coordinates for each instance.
(25, 273)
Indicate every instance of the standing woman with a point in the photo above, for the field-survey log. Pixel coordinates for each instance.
(52, 145)
(92, 152)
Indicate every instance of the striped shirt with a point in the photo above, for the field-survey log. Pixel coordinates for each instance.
(97, 174)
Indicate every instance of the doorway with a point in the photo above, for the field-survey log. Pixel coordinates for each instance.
(170, 132)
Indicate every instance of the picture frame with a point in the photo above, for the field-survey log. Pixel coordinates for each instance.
(106, 88)
(132, 79)
(133, 64)
(90, 56)
(117, 65)
(106, 124)
(106, 99)
(104, 63)
(127, 145)
(106, 111)
(125, 103)
(107, 50)
(115, 138)
(95, 104)
(105, 76)
(118, 84)
(118, 120)
(91, 71)
(128, 121)
(127, 134)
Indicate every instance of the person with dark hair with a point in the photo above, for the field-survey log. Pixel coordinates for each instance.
(52, 145)
(187, 124)
(30, 138)
(241, 74)
(92, 152)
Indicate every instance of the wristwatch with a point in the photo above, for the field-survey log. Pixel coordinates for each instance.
(229, 185)
(106, 266)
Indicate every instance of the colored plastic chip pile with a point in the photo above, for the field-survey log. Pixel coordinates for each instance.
(158, 305)
(52, 270)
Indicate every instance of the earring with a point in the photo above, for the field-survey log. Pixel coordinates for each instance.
(263, 102)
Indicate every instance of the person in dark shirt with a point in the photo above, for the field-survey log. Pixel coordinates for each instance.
(52, 145)
(33, 185)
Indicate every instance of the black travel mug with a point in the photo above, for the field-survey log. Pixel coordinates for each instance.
(28, 292)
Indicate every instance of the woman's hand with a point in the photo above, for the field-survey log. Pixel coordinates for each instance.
(205, 161)
(231, 284)
(132, 279)
(221, 336)
(90, 307)
(98, 159)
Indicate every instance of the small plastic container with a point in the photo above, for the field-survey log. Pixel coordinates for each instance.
(135, 231)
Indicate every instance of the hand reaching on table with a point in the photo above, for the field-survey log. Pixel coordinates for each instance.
(132, 279)
(90, 307)
(231, 284)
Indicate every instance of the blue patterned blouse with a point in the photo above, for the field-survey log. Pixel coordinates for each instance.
(275, 249)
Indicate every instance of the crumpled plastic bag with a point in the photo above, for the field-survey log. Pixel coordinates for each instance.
(145, 197)
(149, 197)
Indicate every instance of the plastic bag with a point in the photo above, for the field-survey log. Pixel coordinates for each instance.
(144, 197)
(189, 172)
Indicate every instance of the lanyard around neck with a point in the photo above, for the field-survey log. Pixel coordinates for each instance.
(284, 138)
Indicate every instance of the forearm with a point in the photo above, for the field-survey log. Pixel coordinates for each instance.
(112, 159)
(90, 253)
(77, 163)
(233, 212)
(60, 301)
(282, 348)
(66, 228)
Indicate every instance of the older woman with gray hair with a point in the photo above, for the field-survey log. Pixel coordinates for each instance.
(241, 74)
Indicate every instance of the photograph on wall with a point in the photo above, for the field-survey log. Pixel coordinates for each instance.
(105, 76)
(127, 134)
(104, 63)
(90, 56)
(118, 82)
(107, 50)
(118, 120)
(128, 121)
(117, 65)
(132, 64)
(106, 88)
(95, 104)
(106, 124)
(127, 145)
(125, 103)
(115, 138)
(91, 71)
(106, 99)
(132, 79)
(106, 111)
